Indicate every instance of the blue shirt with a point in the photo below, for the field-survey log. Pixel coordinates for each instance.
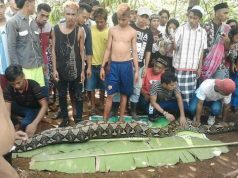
(4, 62)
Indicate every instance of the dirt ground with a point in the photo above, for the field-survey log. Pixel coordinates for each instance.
(213, 168)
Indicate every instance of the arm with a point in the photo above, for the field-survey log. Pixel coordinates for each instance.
(225, 111)
(148, 52)
(89, 52)
(31, 128)
(200, 64)
(11, 41)
(106, 55)
(81, 48)
(198, 112)
(135, 56)
(167, 115)
(55, 73)
(181, 109)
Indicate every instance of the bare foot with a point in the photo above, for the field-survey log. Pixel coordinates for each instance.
(121, 120)
(105, 119)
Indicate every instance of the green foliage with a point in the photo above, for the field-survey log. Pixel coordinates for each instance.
(56, 14)
(118, 155)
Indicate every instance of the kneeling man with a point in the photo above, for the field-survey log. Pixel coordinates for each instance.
(165, 96)
(24, 97)
(212, 93)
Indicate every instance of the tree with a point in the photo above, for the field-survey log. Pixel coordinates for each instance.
(193, 3)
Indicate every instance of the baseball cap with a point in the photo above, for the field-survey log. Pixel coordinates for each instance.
(226, 86)
(144, 11)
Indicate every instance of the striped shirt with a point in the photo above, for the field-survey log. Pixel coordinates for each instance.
(161, 93)
(190, 44)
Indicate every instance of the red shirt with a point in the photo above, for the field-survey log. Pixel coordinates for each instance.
(148, 80)
(45, 39)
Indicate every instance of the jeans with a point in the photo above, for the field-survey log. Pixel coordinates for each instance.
(170, 105)
(143, 104)
(216, 106)
(76, 87)
(28, 114)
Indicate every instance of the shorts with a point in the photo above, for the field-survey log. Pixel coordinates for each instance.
(35, 74)
(94, 82)
(120, 78)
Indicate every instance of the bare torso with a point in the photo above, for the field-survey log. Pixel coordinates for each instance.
(122, 43)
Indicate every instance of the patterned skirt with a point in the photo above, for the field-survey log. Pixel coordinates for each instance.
(187, 81)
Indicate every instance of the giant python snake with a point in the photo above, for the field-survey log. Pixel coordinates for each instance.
(87, 130)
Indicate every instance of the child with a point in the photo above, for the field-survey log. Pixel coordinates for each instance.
(121, 40)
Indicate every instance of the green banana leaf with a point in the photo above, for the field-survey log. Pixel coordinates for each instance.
(123, 155)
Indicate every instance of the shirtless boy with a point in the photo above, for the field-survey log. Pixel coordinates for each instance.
(121, 40)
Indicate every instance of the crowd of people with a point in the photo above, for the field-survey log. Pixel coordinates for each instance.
(160, 66)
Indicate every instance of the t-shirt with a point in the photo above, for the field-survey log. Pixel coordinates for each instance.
(99, 40)
(149, 79)
(144, 43)
(207, 92)
(163, 94)
(29, 98)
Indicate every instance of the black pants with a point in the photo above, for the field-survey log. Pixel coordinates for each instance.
(76, 88)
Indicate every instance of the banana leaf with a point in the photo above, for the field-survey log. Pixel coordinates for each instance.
(124, 155)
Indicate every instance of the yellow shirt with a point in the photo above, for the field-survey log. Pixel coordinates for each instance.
(99, 40)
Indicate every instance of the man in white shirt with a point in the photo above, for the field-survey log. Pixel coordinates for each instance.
(212, 93)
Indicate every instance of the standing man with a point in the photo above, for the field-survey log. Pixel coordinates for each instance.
(4, 62)
(144, 48)
(67, 56)
(99, 44)
(44, 28)
(217, 34)
(121, 47)
(24, 43)
(190, 41)
(11, 9)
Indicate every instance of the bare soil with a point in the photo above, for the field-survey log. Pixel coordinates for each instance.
(217, 167)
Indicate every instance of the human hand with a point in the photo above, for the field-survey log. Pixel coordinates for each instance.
(136, 77)
(170, 117)
(82, 78)
(196, 123)
(144, 72)
(20, 135)
(102, 74)
(182, 121)
(89, 72)
(31, 129)
(55, 75)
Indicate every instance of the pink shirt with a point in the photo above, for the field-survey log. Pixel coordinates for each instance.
(148, 80)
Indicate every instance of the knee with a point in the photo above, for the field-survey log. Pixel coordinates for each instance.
(193, 106)
(216, 109)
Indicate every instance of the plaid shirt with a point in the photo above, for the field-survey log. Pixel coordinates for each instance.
(190, 44)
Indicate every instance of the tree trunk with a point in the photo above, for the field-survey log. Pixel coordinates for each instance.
(193, 3)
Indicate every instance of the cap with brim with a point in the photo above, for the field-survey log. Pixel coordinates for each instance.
(144, 11)
(220, 6)
(226, 86)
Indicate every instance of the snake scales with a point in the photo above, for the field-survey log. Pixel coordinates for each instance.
(87, 130)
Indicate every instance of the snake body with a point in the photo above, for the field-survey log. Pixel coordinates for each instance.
(87, 130)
